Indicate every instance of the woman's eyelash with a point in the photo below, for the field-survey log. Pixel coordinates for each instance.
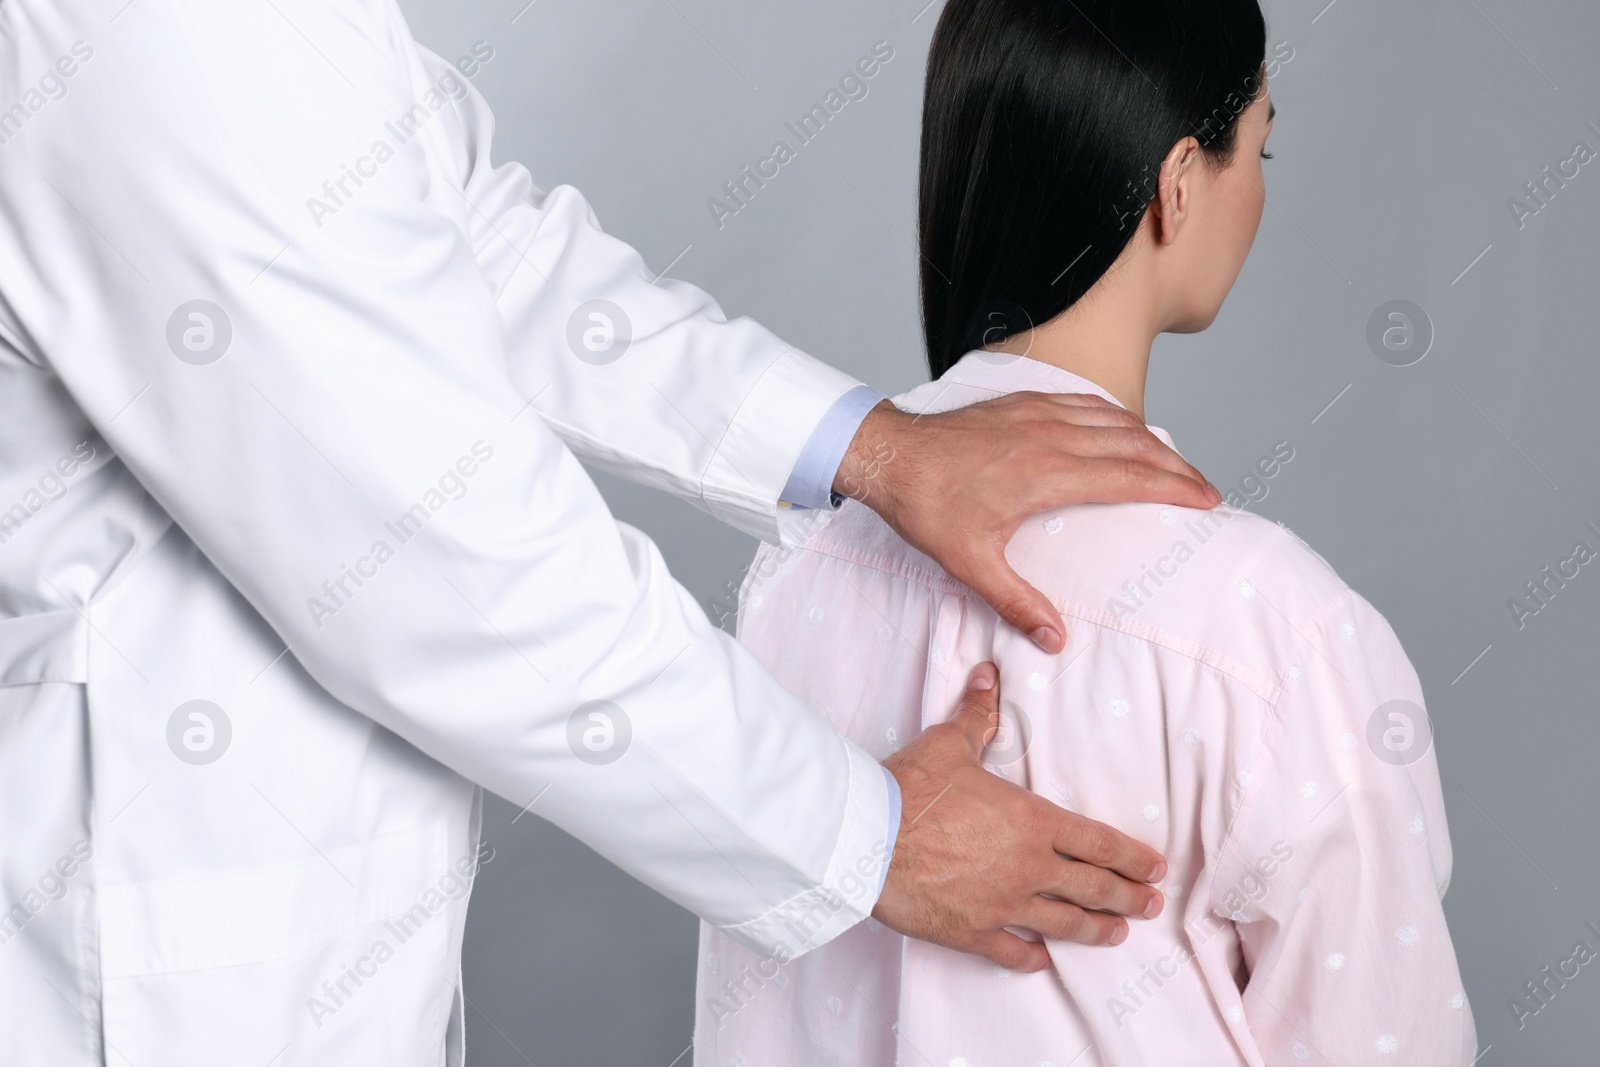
(1265, 154)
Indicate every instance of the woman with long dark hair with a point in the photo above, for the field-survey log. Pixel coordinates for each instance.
(1091, 178)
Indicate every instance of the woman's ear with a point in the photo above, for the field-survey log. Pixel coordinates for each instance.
(1174, 190)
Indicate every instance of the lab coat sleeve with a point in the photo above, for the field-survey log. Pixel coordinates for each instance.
(641, 376)
(230, 242)
(1339, 860)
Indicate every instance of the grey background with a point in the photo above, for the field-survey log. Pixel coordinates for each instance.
(1437, 489)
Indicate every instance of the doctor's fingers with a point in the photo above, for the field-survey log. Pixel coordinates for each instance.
(1061, 921)
(1012, 952)
(1099, 846)
(1113, 464)
(978, 714)
(1080, 414)
(982, 566)
(1091, 864)
(1056, 920)
(1091, 410)
(1097, 890)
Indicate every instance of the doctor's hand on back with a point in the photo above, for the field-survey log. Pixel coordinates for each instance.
(997, 856)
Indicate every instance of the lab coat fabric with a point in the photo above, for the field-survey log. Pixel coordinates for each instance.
(296, 551)
(1223, 697)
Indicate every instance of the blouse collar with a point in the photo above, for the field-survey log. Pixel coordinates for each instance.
(1003, 372)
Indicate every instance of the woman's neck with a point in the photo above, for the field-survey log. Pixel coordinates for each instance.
(1105, 337)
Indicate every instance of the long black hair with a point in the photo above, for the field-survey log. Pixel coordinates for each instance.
(1044, 125)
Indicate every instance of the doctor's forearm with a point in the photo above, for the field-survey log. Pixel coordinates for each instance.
(640, 375)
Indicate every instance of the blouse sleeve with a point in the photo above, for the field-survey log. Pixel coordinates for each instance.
(1338, 860)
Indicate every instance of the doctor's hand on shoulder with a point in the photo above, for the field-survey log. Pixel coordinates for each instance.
(958, 484)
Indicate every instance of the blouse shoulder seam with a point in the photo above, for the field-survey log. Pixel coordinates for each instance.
(1263, 689)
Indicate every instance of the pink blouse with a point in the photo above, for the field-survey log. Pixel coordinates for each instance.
(1223, 697)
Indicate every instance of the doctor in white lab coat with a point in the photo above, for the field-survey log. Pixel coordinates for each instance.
(296, 555)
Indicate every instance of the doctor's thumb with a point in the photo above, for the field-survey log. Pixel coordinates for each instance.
(978, 714)
(1021, 605)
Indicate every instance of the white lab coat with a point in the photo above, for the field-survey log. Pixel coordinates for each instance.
(361, 537)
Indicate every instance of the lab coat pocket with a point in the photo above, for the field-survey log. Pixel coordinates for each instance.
(346, 952)
(262, 914)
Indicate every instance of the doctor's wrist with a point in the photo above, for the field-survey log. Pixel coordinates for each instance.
(867, 472)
